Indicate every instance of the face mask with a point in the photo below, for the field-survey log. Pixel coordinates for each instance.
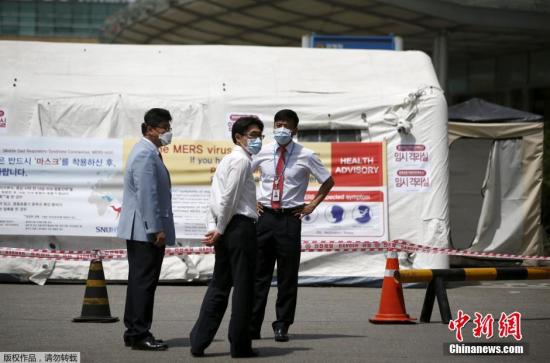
(254, 145)
(282, 135)
(166, 138)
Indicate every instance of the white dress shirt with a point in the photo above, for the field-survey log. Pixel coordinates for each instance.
(300, 163)
(233, 190)
(149, 141)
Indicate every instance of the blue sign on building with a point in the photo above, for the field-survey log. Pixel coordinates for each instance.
(388, 42)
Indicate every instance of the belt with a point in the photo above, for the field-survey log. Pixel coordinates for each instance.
(242, 216)
(283, 210)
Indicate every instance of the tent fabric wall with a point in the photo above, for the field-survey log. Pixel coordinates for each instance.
(97, 90)
(497, 229)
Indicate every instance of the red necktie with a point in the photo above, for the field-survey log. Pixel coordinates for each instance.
(279, 179)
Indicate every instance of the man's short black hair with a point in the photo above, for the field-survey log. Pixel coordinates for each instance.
(242, 124)
(288, 116)
(154, 117)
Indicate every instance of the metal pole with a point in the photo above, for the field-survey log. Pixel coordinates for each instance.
(474, 274)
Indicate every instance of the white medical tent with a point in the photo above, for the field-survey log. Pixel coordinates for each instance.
(102, 91)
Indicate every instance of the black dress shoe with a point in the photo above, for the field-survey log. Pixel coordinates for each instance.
(149, 343)
(130, 341)
(246, 354)
(280, 335)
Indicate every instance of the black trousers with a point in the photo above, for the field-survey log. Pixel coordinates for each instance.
(279, 240)
(144, 262)
(234, 267)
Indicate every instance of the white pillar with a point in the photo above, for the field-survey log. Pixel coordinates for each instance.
(440, 58)
(398, 43)
(306, 41)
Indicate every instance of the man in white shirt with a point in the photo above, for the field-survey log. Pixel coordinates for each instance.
(285, 168)
(232, 232)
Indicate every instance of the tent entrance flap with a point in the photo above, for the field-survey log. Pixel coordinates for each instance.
(468, 164)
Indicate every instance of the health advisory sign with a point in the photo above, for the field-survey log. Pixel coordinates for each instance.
(356, 209)
(60, 186)
(73, 186)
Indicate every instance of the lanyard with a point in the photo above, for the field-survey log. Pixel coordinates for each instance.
(277, 177)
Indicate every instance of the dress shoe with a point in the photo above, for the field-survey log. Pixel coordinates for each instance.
(246, 354)
(130, 341)
(280, 335)
(149, 343)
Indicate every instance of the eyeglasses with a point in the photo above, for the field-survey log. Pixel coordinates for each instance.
(255, 136)
(166, 129)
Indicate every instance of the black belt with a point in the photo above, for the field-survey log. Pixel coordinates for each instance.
(284, 210)
(242, 216)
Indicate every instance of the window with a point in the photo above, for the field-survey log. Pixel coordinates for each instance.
(27, 18)
(329, 135)
(82, 18)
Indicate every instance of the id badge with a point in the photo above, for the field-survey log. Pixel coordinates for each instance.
(275, 195)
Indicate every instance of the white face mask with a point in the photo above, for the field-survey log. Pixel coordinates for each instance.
(282, 135)
(254, 145)
(166, 138)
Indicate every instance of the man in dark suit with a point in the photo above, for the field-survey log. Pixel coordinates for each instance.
(147, 224)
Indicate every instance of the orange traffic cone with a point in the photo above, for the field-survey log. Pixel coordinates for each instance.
(95, 308)
(392, 305)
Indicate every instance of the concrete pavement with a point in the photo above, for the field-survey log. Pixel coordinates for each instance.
(331, 324)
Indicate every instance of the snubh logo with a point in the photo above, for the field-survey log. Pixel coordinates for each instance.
(105, 229)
